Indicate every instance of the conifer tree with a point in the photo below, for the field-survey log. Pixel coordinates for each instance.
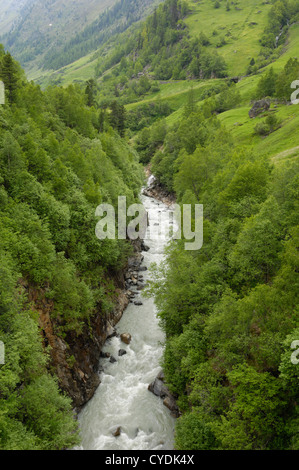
(9, 75)
(118, 118)
(90, 91)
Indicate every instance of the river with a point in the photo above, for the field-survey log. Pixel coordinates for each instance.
(122, 399)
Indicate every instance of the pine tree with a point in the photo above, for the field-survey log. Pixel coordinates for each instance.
(174, 13)
(9, 75)
(155, 20)
(266, 84)
(90, 91)
(118, 118)
(121, 120)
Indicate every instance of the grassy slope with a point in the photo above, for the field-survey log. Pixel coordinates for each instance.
(244, 40)
(238, 121)
(79, 71)
(285, 138)
(83, 68)
(241, 27)
(280, 144)
(175, 92)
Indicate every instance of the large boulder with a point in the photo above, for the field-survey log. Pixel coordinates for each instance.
(161, 375)
(126, 338)
(259, 107)
(158, 388)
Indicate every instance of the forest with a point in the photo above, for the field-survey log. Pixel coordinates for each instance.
(164, 97)
(230, 310)
(113, 21)
(55, 169)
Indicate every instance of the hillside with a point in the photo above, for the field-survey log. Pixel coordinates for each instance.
(59, 284)
(10, 13)
(237, 39)
(235, 31)
(43, 26)
(50, 35)
(199, 92)
(229, 311)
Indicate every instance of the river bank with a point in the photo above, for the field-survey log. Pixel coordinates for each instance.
(124, 414)
(156, 190)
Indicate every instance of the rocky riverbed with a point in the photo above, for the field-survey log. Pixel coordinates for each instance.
(124, 414)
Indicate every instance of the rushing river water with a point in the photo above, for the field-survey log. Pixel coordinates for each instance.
(122, 399)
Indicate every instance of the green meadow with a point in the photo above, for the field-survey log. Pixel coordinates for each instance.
(241, 28)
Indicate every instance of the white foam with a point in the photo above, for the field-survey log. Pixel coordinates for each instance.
(122, 399)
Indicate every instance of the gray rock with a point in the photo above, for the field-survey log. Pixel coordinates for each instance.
(170, 403)
(110, 331)
(144, 247)
(143, 268)
(122, 352)
(161, 376)
(159, 389)
(259, 107)
(133, 262)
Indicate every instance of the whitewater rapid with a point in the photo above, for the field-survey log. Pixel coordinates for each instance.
(122, 399)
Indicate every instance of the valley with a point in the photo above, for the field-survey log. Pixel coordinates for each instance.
(196, 93)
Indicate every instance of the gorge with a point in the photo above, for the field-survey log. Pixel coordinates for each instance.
(123, 414)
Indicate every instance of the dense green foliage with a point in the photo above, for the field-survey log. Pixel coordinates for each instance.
(278, 85)
(160, 49)
(230, 310)
(55, 168)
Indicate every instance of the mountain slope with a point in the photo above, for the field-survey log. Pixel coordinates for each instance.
(115, 20)
(46, 25)
(51, 34)
(233, 34)
(59, 284)
(235, 31)
(10, 12)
